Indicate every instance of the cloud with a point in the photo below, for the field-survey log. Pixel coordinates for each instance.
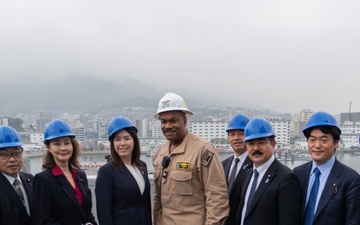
(282, 55)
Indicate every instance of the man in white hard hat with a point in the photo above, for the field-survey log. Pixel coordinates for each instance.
(189, 180)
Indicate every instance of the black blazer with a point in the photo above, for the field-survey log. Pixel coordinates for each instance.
(235, 192)
(277, 200)
(12, 210)
(118, 197)
(55, 201)
(340, 200)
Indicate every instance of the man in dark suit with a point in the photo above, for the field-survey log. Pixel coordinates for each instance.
(236, 165)
(15, 199)
(271, 192)
(331, 190)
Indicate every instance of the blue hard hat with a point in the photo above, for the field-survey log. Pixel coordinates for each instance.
(320, 119)
(258, 128)
(119, 123)
(238, 122)
(56, 129)
(9, 137)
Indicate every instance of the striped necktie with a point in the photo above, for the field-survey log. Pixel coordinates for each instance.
(18, 190)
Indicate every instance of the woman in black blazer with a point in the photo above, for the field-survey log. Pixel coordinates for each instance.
(61, 192)
(122, 186)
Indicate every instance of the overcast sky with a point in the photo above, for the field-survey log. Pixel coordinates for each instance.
(283, 55)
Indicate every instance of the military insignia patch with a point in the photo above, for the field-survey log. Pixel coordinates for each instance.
(207, 157)
(182, 165)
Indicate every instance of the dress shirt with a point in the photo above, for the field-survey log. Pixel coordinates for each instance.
(261, 170)
(325, 170)
(242, 158)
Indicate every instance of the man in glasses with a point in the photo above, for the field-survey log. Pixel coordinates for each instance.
(15, 186)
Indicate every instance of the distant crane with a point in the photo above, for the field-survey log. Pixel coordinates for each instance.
(350, 111)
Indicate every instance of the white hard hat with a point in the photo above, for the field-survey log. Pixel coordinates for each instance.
(172, 102)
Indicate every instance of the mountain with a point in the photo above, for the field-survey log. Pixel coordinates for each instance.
(81, 94)
(74, 93)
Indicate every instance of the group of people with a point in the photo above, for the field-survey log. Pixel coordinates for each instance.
(191, 184)
(57, 195)
(264, 191)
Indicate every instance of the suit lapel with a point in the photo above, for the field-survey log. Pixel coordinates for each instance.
(304, 179)
(9, 190)
(68, 190)
(132, 179)
(27, 184)
(264, 183)
(83, 189)
(329, 190)
(245, 166)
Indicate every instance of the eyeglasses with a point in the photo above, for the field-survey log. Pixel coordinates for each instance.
(8, 155)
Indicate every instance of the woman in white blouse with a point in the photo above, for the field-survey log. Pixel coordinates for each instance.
(122, 185)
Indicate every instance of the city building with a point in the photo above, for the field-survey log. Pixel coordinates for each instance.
(4, 121)
(142, 126)
(215, 129)
(155, 128)
(79, 133)
(350, 132)
(282, 131)
(43, 118)
(101, 130)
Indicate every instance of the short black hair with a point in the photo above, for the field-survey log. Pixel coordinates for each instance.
(333, 131)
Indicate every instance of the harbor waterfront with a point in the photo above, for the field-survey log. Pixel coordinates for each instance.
(93, 160)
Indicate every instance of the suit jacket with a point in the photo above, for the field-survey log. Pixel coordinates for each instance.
(277, 200)
(55, 201)
(235, 192)
(118, 197)
(12, 210)
(340, 200)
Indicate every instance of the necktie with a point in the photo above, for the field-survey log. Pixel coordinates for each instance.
(253, 188)
(310, 207)
(232, 174)
(18, 190)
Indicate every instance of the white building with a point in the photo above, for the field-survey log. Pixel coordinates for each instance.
(350, 134)
(4, 121)
(209, 129)
(142, 126)
(155, 128)
(36, 138)
(301, 144)
(71, 119)
(101, 130)
(282, 131)
(79, 133)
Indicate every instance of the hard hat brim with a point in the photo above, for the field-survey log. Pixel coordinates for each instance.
(188, 113)
(257, 136)
(10, 144)
(58, 136)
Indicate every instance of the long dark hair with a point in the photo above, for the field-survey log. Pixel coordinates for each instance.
(115, 159)
(49, 161)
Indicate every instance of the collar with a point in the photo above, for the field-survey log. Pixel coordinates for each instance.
(242, 157)
(263, 168)
(56, 171)
(12, 179)
(324, 168)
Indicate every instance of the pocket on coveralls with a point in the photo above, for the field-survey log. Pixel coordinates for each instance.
(181, 182)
